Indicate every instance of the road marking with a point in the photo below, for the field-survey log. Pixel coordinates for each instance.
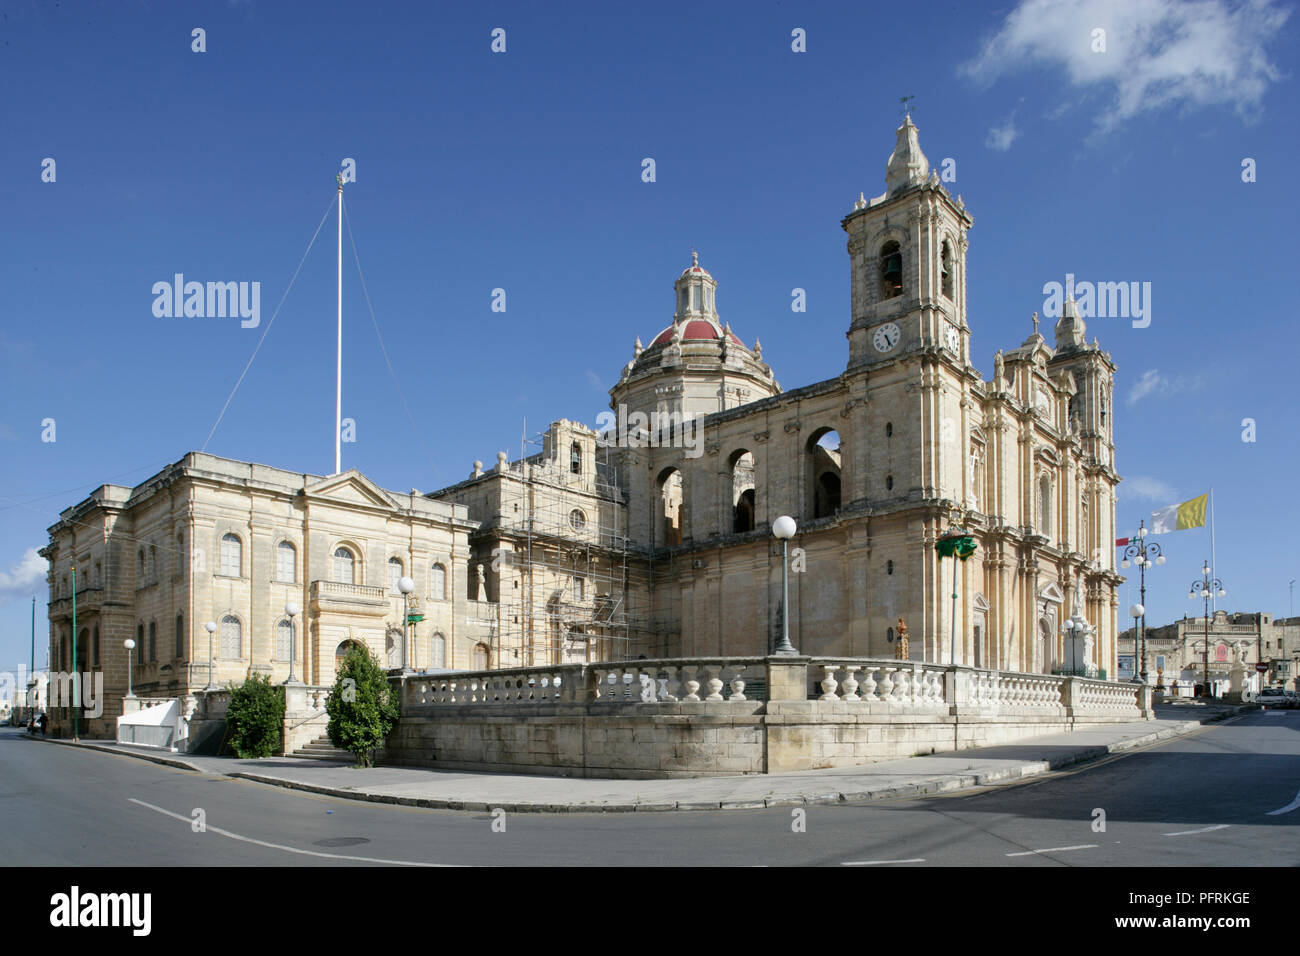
(1217, 826)
(1057, 849)
(880, 862)
(286, 849)
(1294, 804)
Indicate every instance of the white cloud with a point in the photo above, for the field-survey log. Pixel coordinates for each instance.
(1151, 382)
(1158, 53)
(24, 578)
(1142, 488)
(1001, 137)
(596, 381)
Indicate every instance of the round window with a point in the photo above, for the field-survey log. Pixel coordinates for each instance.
(577, 520)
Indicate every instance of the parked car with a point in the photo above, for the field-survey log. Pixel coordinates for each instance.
(1274, 697)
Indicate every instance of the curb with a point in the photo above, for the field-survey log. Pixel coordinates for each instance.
(167, 761)
(946, 783)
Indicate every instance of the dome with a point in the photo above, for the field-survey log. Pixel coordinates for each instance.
(698, 330)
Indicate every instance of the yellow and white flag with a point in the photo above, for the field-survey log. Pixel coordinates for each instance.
(1190, 514)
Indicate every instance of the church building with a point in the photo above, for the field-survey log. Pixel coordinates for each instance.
(652, 535)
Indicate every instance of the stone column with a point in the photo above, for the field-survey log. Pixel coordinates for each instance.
(787, 745)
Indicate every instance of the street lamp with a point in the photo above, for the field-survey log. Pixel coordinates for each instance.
(1136, 611)
(130, 646)
(784, 528)
(291, 608)
(1207, 588)
(406, 586)
(1144, 555)
(211, 628)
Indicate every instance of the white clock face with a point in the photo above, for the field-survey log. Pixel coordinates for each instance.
(886, 337)
(952, 338)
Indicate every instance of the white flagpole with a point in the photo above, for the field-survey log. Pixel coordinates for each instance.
(1214, 569)
(338, 378)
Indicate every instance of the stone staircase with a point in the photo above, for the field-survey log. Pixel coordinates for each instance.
(322, 749)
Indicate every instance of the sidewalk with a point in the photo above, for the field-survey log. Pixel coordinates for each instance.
(523, 793)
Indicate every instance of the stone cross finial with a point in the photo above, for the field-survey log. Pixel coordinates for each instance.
(905, 106)
(1035, 321)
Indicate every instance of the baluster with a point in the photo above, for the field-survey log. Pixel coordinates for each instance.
(602, 690)
(689, 683)
(868, 683)
(714, 682)
(850, 684)
(648, 688)
(829, 683)
(903, 687)
(738, 682)
(662, 678)
(887, 684)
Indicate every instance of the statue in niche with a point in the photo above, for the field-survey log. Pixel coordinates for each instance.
(900, 643)
(999, 369)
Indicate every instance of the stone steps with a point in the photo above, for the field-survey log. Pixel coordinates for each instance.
(321, 749)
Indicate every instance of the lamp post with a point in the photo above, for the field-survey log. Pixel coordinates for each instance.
(784, 528)
(129, 644)
(211, 628)
(291, 608)
(406, 586)
(1143, 555)
(958, 544)
(1136, 612)
(1207, 588)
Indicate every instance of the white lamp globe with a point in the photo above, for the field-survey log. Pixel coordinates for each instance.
(1136, 611)
(1124, 563)
(129, 644)
(784, 527)
(291, 608)
(1160, 559)
(210, 627)
(405, 585)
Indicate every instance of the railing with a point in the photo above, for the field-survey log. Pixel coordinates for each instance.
(871, 686)
(147, 735)
(336, 589)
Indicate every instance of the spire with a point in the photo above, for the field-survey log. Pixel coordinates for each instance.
(1070, 329)
(907, 164)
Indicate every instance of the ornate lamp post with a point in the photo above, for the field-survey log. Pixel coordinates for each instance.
(211, 628)
(406, 586)
(1207, 588)
(129, 644)
(1143, 555)
(291, 608)
(1137, 611)
(958, 544)
(1076, 629)
(784, 528)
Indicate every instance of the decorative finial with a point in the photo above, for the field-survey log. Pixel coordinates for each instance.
(758, 348)
(695, 259)
(338, 177)
(1035, 320)
(861, 201)
(905, 107)
(638, 348)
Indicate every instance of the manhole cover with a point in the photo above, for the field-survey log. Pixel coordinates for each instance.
(342, 841)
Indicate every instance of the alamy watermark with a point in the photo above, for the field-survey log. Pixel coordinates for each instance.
(1102, 300)
(211, 300)
(626, 429)
(64, 690)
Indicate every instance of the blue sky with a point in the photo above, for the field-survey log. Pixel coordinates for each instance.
(522, 170)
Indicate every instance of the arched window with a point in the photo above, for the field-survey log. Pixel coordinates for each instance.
(139, 568)
(742, 491)
(437, 651)
(286, 562)
(1045, 523)
(438, 583)
(824, 472)
(180, 554)
(153, 563)
(891, 270)
(344, 566)
(139, 643)
(575, 458)
(153, 641)
(672, 507)
(480, 657)
(232, 638)
(394, 575)
(95, 647)
(945, 269)
(232, 555)
(283, 640)
(393, 647)
(83, 650)
(180, 635)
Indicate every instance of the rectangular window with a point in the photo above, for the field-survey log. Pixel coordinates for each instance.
(286, 569)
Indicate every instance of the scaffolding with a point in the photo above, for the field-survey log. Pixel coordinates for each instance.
(565, 575)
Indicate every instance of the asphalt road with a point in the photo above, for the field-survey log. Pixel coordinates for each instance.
(1227, 795)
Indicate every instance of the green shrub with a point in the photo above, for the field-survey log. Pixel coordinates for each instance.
(255, 718)
(362, 706)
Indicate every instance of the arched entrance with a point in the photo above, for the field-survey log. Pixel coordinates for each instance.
(480, 657)
(341, 652)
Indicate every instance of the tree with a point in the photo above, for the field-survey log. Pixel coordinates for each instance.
(362, 706)
(255, 718)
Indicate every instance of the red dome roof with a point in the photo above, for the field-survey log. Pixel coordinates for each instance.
(697, 330)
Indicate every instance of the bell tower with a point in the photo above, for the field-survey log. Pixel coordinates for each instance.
(907, 252)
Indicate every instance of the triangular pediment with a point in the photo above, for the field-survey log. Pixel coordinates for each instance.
(351, 487)
(1051, 593)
